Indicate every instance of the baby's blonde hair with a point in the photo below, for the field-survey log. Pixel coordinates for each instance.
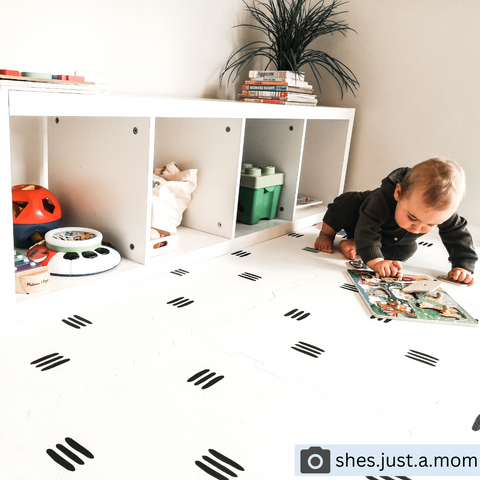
(443, 182)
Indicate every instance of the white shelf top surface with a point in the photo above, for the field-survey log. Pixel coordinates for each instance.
(24, 103)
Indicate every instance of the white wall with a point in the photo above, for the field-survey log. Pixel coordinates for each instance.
(418, 62)
(152, 47)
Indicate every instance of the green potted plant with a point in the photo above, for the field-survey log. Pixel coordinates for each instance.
(290, 27)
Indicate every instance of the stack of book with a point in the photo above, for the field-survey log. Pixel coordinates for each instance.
(45, 82)
(279, 87)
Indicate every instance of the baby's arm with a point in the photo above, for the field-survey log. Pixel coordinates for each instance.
(385, 268)
(459, 243)
(461, 275)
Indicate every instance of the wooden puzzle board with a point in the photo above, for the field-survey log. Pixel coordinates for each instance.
(385, 299)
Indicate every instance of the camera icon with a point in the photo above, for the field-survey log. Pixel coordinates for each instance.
(315, 460)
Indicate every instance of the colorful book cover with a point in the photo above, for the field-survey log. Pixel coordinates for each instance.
(262, 100)
(279, 81)
(270, 88)
(259, 93)
(385, 299)
(261, 82)
(277, 88)
(277, 74)
(278, 96)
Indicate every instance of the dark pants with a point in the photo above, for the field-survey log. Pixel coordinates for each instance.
(343, 213)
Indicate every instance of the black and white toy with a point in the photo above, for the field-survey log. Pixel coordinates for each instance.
(74, 251)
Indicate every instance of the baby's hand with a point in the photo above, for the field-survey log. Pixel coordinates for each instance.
(388, 268)
(461, 275)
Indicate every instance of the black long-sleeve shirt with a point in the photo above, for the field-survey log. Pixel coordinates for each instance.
(376, 229)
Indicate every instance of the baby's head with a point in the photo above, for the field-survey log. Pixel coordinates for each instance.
(429, 194)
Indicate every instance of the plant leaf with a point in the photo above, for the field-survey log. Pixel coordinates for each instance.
(290, 26)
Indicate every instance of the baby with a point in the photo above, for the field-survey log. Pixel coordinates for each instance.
(382, 225)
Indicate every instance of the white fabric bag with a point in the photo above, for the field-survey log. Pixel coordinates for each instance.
(172, 194)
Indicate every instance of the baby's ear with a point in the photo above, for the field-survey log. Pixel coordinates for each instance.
(398, 192)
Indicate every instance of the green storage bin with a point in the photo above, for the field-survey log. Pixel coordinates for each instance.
(260, 190)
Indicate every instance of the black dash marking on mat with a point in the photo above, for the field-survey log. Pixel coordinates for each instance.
(210, 471)
(295, 235)
(198, 375)
(350, 287)
(49, 361)
(79, 448)
(422, 357)
(180, 302)
(76, 322)
(311, 250)
(425, 244)
(250, 276)
(203, 376)
(226, 460)
(297, 314)
(221, 463)
(60, 460)
(218, 465)
(180, 272)
(476, 424)
(72, 323)
(380, 319)
(308, 349)
(63, 462)
(71, 455)
(240, 253)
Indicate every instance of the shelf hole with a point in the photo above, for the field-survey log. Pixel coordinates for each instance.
(57, 120)
(132, 246)
(219, 224)
(281, 209)
(290, 128)
(228, 129)
(135, 130)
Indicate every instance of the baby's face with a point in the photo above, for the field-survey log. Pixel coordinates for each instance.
(414, 216)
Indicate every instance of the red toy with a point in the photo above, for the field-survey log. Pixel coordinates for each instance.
(70, 78)
(35, 211)
(11, 73)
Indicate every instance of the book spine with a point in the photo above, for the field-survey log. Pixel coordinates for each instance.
(262, 100)
(276, 88)
(301, 104)
(253, 98)
(276, 73)
(259, 93)
(305, 91)
(271, 88)
(261, 82)
(279, 81)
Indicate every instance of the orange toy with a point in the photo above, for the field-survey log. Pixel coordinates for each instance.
(35, 211)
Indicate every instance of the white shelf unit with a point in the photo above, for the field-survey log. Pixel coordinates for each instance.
(97, 154)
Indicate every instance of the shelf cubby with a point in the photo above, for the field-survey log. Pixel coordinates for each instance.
(97, 155)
